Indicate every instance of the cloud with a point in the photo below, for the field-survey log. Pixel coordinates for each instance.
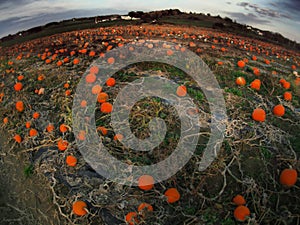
(291, 7)
(248, 18)
(263, 11)
(14, 24)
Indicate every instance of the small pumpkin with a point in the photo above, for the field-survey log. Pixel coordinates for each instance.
(256, 84)
(33, 132)
(63, 128)
(111, 60)
(111, 82)
(5, 120)
(287, 96)
(239, 200)
(103, 130)
(79, 208)
(90, 78)
(20, 106)
(35, 115)
(18, 86)
(102, 97)
(118, 137)
(278, 110)
(76, 61)
(62, 145)
(241, 213)
(240, 81)
(106, 107)
(81, 135)
(146, 182)
(131, 218)
(288, 177)
(145, 207)
(181, 91)
(83, 103)
(241, 64)
(286, 85)
(28, 124)
(259, 115)
(172, 195)
(18, 138)
(71, 160)
(50, 128)
(96, 89)
(256, 71)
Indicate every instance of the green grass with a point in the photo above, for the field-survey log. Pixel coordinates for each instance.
(28, 170)
(196, 94)
(235, 91)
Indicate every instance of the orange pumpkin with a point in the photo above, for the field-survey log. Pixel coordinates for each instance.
(145, 207)
(286, 85)
(18, 86)
(35, 115)
(278, 110)
(111, 60)
(63, 128)
(131, 218)
(118, 137)
(20, 77)
(59, 63)
(5, 120)
(83, 103)
(62, 145)
(106, 107)
(259, 115)
(241, 213)
(288, 177)
(172, 195)
(71, 160)
(110, 82)
(33, 132)
(18, 138)
(103, 130)
(50, 128)
(256, 84)
(68, 92)
(102, 97)
(240, 81)
(20, 106)
(81, 135)
(96, 89)
(181, 91)
(241, 64)
(90, 78)
(256, 71)
(94, 69)
(76, 61)
(287, 96)
(79, 208)
(146, 182)
(239, 200)
(28, 124)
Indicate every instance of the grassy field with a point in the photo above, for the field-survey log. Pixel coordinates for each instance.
(42, 187)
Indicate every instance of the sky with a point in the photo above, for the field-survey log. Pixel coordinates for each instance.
(280, 16)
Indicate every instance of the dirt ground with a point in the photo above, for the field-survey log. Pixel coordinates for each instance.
(24, 199)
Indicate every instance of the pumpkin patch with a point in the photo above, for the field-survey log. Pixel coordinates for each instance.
(255, 170)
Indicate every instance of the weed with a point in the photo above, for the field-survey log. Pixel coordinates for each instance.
(28, 170)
